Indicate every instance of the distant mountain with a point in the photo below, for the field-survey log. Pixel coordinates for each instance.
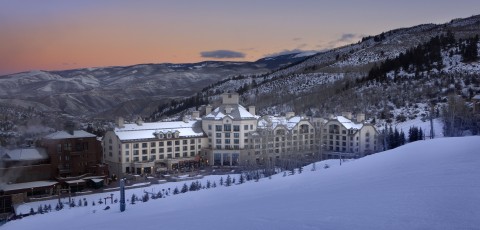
(416, 67)
(129, 90)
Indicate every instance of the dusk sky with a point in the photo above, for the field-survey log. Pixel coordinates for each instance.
(61, 34)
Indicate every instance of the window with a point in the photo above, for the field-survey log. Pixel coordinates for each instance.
(177, 149)
(192, 141)
(227, 135)
(169, 156)
(161, 144)
(209, 127)
(185, 154)
(153, 144)
(161, 150)
(177, 142)
(245, 127)
(185, 142)
(177, 155)
(152, 158)
(192, 147)
(185, 148)
(153, 151)
(236, 135)
(144, 145)
(127, 153)
(218, 135)
(219, 141)
(236, 141)
(135, 146)
(127, 146)
(135, 152)
(67, 146)
(59, 148)
(218, 128)
(135, 159)
(251, 127)
(144, 158)
(227, 141)
(169, 149)
(161, 156)
(227, 127)
(218, 147)
(236, 128)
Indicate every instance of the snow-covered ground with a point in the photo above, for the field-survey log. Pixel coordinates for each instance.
(429, 184)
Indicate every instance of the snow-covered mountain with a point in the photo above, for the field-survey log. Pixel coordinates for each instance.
(338, 80)
(124, 90)
(429, 184)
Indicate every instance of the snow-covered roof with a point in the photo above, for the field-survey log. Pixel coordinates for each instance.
(476, 97)
(67, 135)
(27, 185)
(149, 130)
(237, 112)
(288, 123)
(29, 154)
(347, 123)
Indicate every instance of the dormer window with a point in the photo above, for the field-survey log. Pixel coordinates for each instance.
(169, 135)
(161, 136)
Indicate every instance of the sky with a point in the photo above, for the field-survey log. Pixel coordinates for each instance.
(58, 34)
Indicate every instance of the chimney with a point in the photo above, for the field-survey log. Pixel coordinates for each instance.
(120, 122)
(70, 127)
(331, 116)
(348, 115)
(228, 109)
(251, 109)
(185, 119)
(139, 121)
(289, 114)
(195, 115)
(360, 117)
(208, 109)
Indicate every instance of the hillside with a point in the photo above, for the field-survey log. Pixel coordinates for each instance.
(130, 90)
(343, 79)
(423, 185)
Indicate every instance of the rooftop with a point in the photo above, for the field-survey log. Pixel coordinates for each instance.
(237, 112)
(27, 154)
(66, 135)
(288, 123)
(149, 130)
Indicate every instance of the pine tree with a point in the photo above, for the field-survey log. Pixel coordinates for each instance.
(228, 182)
(145, 197)
(241, 180)
(221, 181)
(79, 203)
(193, 186)
(208, 184)
(300, 169)
(214, 184)
(40, 209)
(314, 166)
(32, 212)
(132, 199)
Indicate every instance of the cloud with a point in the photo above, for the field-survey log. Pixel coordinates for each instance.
(220, 54)
(297, 39)
(285, 52)
(347, 37)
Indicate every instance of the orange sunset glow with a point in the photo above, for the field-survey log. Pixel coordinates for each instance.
(55, 35)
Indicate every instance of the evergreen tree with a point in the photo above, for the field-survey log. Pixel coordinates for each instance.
(145, 197)
(176, 191)
(228, 182)
(132, 199)
(40, 209)
(32, 212)
(314, 166)
(221, 181)
(93, 203)
(193, 186)
(79, 203)
(208, 184)
(300, 169)
(241, 180)
(214, 184)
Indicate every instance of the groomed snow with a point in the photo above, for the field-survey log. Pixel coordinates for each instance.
(429, 184)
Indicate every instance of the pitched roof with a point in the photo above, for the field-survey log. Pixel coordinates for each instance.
(347, 123)
(237, 112)
(149, 130)
(28, 154)
(67, 135)
(289, 123)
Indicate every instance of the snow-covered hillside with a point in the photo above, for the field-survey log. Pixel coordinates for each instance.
(423, 185)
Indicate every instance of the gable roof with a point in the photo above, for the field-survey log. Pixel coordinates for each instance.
(27, 154)
(66, 135)
(237, 112)
(149, 130)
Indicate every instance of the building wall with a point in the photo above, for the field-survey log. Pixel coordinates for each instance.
(145, 156)
(73, 156)
(337, 138)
